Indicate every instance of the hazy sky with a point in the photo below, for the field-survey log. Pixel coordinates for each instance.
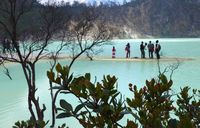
(88, 1)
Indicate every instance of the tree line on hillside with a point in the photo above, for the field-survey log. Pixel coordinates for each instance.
(138, 18)
(157, 18)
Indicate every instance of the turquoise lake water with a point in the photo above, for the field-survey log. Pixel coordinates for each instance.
(13, 93)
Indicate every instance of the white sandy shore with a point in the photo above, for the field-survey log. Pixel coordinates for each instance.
(106, 58)
(146, 59)
(119, 59)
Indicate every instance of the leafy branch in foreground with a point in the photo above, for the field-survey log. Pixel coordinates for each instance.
(101, 105)
(152, 104)
(188, 110)
(29, 124)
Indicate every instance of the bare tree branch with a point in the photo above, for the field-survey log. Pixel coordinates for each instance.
(170, 68)
(29, 46)
(6, 71)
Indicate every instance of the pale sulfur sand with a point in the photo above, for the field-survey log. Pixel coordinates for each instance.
(146, 59)
(104, 58)
(120, 59)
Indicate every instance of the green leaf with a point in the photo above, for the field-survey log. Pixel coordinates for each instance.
(17, 123)
(66, 70)
(142, 114)
(173, 123)
(129, 102)
(79, 107)
(87, 76)
(91, 88)
(89, 105)
(60, 109)
(63, 115)
(114, 96)
(59, 68)
(170, 83)
(50, 75)
(64, 104)
(41, 124)
(163, 79)
(58, 80)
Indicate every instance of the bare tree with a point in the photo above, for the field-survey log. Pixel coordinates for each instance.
(170, 68)
(88, 33)
(85, 35)
(29, 42)
(54, 58)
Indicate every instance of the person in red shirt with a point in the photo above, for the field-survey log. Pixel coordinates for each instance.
(113, 52)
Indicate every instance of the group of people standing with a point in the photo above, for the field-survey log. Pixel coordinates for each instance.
(151, 49)
(143, 46)
(7, 45)
(127, 49)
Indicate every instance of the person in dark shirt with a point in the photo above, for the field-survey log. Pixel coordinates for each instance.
(152, 50)
(149, 46)
(157, 49)
(128, 51)
(142, 49)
